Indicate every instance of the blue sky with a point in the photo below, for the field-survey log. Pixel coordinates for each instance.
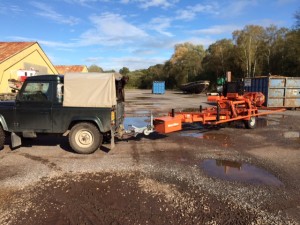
(132, 33)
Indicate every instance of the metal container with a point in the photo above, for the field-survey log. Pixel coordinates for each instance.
(158, 87)
(279, 91)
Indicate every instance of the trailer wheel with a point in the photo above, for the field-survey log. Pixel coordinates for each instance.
(85, 138)
(2, 137)
(250, 124)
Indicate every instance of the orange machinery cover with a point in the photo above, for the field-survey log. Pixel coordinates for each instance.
(167, 124)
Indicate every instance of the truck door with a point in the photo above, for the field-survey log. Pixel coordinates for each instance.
(34, 107)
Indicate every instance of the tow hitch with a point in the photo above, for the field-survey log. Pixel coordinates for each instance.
(146, 130)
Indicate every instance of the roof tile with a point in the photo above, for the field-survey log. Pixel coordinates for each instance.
(63, 69)
(9, 49)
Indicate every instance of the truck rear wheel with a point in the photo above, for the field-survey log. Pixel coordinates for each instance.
(85, 138)
(2, 137)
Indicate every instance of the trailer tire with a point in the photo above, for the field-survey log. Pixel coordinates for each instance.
(2, 137)
(85, 138)
(250, 124)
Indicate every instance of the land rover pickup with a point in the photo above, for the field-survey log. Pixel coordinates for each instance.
(87, 107)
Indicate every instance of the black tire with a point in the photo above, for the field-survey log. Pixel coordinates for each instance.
(250, 124)
(2, 137)
(85, 138)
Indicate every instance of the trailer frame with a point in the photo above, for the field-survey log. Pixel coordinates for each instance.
(233, 107)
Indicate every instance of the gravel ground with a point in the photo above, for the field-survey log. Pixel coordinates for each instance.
(159, 179)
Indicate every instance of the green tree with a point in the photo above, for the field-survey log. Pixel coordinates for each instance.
(156, 72)
(272, 49)
(135, 78)
(109, 71)
(124, 71)
(146, 80)
(168, 72)
(297, 17)
(219, 59)
(95, 68)
(291, 54)
(248, 42)
(186, 62)
(291, 59)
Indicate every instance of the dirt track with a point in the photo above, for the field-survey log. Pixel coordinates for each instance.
(160, 179)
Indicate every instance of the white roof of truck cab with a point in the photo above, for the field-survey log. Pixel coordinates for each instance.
(90, 89)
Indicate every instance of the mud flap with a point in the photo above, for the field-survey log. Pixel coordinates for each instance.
(15, 140)
(112, 140)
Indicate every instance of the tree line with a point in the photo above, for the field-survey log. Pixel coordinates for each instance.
(252, 51)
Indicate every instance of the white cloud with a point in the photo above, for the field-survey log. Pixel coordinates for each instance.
(217, 29)
(93, 60)
(162, 43)
(145, 4)
(190, 12)
(155, 3)
(205, 41)
(86, 3)
(236, 8)
(160, 24)
(48, 12)
(144, 52)
(225, 8)
(111, 29)
(133, 63)
(54, 44)
(10, 9)
(267, 22)
(80, 2)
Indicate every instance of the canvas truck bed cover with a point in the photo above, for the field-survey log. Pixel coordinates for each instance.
(90, 89)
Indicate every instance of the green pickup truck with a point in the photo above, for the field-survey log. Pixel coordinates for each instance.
(87, 107)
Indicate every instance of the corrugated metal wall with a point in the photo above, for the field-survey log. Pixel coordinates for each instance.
(279, 91)
(158, 87)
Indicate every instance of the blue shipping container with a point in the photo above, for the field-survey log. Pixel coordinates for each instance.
(279, 91)
(158, 87)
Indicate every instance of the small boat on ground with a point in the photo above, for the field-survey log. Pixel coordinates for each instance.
(195, 87)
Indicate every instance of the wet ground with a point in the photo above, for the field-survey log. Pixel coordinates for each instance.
(201, 175)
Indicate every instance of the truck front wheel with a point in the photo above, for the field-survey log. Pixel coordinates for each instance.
(85, 138)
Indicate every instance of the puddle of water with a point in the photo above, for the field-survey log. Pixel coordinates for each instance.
(143, 112)
(195, 135)
(279, 116)
(222, 139)
(140, 113)
(143, 98)
(145, 103)
(136, 121)
(210, 136)
(261, 122)
(242, 172)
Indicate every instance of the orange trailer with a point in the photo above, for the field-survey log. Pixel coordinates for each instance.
(230, 108)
